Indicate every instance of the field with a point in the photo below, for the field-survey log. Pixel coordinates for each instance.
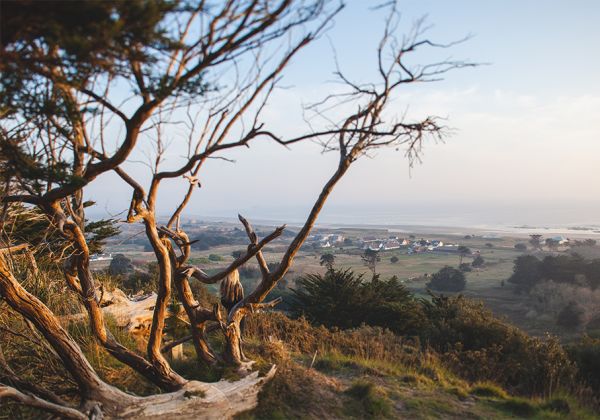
(487, 284)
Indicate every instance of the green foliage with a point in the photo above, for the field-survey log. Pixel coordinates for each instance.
(586, 355)
(215, 257)
(394, 259)
(249, 272)
(372, 400)
(463, 250)
(521, 246)
(341, 298)
(140, 281)
(448, 279)
(535, 241)
(327, 260)
(370, 259)
(120, 265)
(478, 346)
(84, 39)
(465, 267)
(488, 389)
(478, 261)
(572, 269)
(518, 407)
(571, 316)
(237, 253)
(30, 226)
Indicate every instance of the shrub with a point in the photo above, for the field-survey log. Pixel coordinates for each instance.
(521, 247)
(372, 400)
(448, 279)
(215, 257)
(340, 298)
(488, 389)
(480, 347)
(465, 267)
(478, 261)
(120, 265)
(586, 355)
(139, 281)
(394, 259)
(571, 316)
(249, 272)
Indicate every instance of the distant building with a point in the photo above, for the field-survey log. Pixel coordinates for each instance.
(390, 244)
(100, 257)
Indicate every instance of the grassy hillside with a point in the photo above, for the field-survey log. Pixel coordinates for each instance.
(368, 373)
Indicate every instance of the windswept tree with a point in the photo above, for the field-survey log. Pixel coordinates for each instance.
(327, 260)
(463, 251)
(370, 258)
(85, 85)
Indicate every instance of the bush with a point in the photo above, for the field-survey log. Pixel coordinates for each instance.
(465, 267)
(372, 400)
(480, 347)
(394, 259)
(139, 282)
(120, 265)
(572, 269)
(448, 279)
(478, 261)
(340, 298)
(249, 272)
(571, 316)
(215, 257)
(586, 355)
(521, 247)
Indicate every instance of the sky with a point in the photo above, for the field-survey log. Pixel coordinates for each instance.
(525, 145)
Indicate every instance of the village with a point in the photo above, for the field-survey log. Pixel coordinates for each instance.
(411, 245)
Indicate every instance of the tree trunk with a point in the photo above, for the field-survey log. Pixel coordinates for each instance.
(165, 379)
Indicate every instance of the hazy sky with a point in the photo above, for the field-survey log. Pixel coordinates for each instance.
(526, 147)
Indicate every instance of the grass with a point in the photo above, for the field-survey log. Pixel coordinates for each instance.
(370, 399)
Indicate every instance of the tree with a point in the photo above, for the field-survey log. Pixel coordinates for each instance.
(66, 68)
(463, 251)
(521, 247)
(478, 261)
(394, 259)
(370, 258)
(448, 279)
(120, 265)
(536, 241)
(327, 260)
(526, 272)
(489, 245)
